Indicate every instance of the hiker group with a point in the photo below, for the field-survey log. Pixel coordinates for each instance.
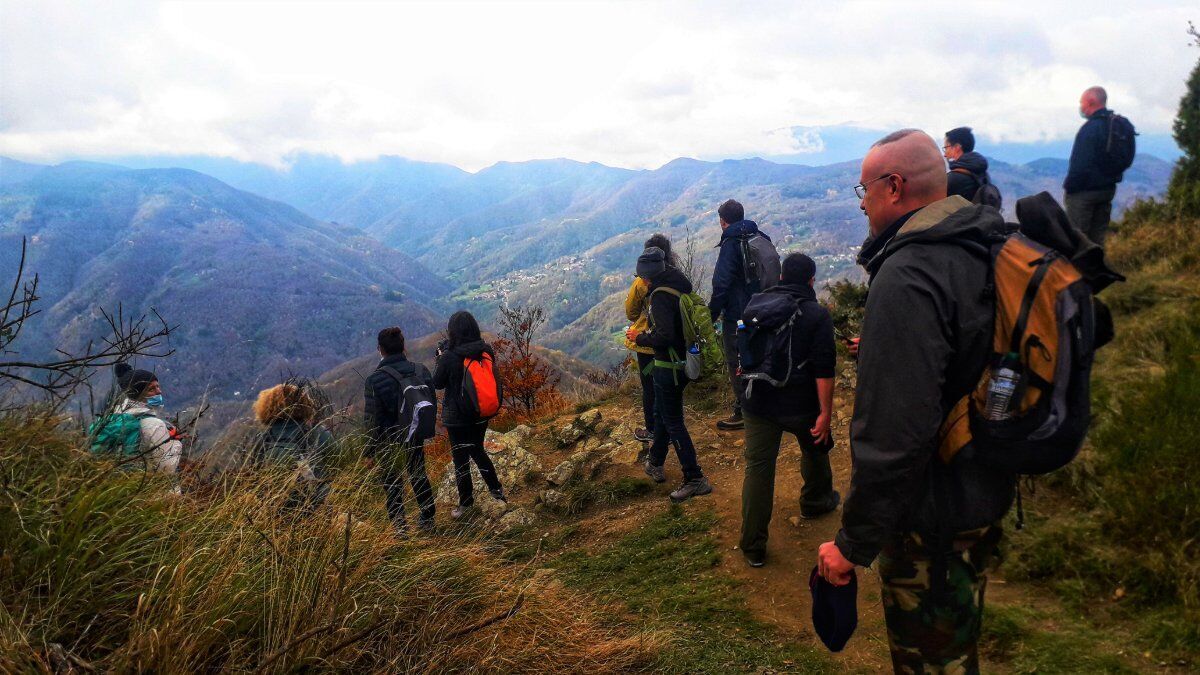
(973, 365)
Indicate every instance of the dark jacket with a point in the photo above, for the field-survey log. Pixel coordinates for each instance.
(381, 400)
(812, 342)
(290, 441)
(666, 323)
(1086, 171)
(963, 185)
(926, 338)
(448, 375)
(729, 291)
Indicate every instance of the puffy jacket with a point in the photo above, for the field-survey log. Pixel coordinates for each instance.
(636, 311)
(156, 441)
(812, 342)
(963, 185)
(1086, 171)
(926, 338)
(289, 441)
(666, 322)
(381, 399)
(448, 375)
(729, 291)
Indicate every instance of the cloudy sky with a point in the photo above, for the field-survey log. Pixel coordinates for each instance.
(627, 84)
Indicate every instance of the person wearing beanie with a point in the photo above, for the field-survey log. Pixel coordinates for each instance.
(139, 396)
(665, 337)
(637, 306)
(801, 407)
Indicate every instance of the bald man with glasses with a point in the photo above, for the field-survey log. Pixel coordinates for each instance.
(930, 528)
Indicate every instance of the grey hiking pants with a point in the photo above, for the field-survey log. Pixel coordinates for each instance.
(1090, 212)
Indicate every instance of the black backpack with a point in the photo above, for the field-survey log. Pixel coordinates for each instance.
(416, 407)
(760, 262)
(765, 341)
(986, 193)
(1121, 146)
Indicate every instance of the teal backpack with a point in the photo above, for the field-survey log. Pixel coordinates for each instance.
(705, 355)
(117, 433)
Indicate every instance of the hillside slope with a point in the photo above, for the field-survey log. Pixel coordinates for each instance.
(256, 288)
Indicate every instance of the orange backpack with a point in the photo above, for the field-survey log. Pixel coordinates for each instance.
(481, 390)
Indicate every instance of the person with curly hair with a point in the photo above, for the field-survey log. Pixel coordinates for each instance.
(293, 435)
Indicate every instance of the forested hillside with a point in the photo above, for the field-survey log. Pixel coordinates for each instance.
(255, 288)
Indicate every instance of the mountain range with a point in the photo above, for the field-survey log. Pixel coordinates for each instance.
(272, 271)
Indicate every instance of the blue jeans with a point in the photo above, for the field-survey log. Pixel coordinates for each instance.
(669, 428)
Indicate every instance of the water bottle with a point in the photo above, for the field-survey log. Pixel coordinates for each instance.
(741, 326)
(1003, 384)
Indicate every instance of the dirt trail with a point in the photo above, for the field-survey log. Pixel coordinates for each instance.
(778, 592)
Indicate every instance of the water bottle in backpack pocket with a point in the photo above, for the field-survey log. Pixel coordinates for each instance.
(693, 365)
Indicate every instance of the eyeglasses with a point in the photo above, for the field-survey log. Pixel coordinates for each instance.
(861, 188)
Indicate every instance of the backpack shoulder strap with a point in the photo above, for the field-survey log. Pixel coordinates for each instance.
(668, 291)
(397, 375)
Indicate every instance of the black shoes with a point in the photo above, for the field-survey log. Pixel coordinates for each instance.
(834, 503)
(732, 423)
(755, 559)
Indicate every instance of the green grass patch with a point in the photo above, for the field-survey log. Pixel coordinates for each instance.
(665, 575)
(1013, 635)
(584, 494)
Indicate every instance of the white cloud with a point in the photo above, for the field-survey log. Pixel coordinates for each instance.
(623, 83)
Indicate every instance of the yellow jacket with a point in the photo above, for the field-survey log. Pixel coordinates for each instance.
(637, 310)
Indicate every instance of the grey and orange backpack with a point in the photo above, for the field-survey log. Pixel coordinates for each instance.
(1048, 325)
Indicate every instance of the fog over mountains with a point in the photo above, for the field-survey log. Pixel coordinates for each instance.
(273, 271)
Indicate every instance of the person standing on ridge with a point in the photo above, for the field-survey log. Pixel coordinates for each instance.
(1104, 148)
(802, 406)
(464, 362)
(665, 336)
(391, 443)
(968, 169)
(637, 306)
(926, 340)
(742, 246)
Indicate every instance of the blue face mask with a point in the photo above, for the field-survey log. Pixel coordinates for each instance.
(155, 401)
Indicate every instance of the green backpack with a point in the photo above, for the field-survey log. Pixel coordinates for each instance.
(117, 433)
(705, 356)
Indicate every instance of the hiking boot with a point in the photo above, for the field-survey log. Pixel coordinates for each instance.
(732, 423)
(833, 506)
(460, 511)
(755, 559)
(498, 495)
(641, 434)
(656, 473)
(425, 524)
(692, 488)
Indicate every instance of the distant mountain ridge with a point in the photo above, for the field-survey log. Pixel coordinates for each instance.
(564, 234)
(258, 289)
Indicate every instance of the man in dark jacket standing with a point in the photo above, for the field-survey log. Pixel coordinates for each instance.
(802, 407)
(665, 336)
(926, 339)
(730, 293)
(386, 445)
(968, 169)
(1091, 183)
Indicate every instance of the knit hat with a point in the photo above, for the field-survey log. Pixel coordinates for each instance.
(798, 269)
(133, 382)
(651, 262)
(834, 609)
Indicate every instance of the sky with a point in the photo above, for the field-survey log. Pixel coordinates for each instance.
(631, 84)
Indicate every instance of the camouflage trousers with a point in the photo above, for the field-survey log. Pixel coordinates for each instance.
(932, 632)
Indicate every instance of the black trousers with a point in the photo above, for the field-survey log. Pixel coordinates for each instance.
(466, 445)
(669, 426)
(646, 375)
(393, 463)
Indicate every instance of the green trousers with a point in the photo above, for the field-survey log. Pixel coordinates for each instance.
(763, 437)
